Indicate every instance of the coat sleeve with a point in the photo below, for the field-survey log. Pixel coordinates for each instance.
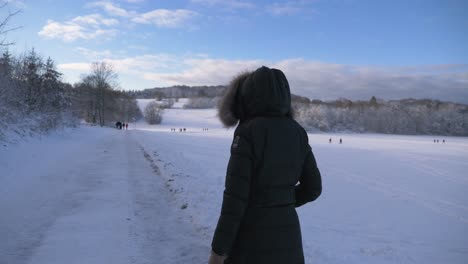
(236, 194)
(310, 181)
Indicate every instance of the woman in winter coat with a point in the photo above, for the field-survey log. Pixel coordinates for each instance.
(271, 171)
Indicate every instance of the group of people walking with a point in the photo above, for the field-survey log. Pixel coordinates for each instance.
(184, 129)
(121, 125)
(437, 141)
(330, 140)
(180, 129)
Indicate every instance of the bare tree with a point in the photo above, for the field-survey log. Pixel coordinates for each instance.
(105, 80)
(153, 113)
(98, 101)
(4, 22)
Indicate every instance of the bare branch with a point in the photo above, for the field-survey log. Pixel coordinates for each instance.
(4, 29)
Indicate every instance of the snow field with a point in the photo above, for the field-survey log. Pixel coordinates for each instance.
(149, 195)
(386, 198)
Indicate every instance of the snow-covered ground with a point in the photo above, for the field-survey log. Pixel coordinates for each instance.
(91, 196)
(149, 195)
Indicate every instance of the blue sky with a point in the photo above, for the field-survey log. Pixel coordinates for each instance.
(327, 48)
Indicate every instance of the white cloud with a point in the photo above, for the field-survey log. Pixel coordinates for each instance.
(95, 55)
(165, 17)
(313, 79)
(233, 4)
(110, 8)
(330, 81)
(95, 20)
(80, 67)
(158, 17)
(289, 7)
(282, 9)
(70, 32)
(136, 65)
(81, 27)
(204, 71)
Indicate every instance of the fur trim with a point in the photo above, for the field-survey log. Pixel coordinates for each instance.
(227, 105)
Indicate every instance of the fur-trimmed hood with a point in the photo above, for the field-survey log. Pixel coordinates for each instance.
(264, 92)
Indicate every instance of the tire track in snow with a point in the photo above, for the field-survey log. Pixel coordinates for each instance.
(162, 231)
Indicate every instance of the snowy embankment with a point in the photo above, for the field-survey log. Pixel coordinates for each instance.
(149, 195)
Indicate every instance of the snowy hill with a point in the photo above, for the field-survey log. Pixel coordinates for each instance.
(195, 120)
(151, 194)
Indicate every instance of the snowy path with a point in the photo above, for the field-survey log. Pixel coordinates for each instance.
(89, 197)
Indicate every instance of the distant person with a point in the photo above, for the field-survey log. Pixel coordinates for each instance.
(341, 140)
(184, 129)
(180, 129)
(126, 126)
(443, 140)
(118, 125)
(434, 141)
(270, 155)
(330, 140)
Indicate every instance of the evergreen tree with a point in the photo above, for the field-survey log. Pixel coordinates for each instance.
(53, 97)
(6, 64)
(31, 77)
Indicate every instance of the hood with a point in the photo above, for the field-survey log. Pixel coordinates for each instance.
(264, 92)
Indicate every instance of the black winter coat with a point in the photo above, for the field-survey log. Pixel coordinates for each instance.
(271, 171)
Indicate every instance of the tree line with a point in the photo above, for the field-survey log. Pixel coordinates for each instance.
(406, 116)
(179, 91)
(32, 94)
(34, 99)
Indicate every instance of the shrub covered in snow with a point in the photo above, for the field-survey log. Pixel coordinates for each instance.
(166, 103)
(153, 113)
(201, 102)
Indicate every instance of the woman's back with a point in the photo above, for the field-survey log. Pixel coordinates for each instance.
(279, 147)
(270, 155)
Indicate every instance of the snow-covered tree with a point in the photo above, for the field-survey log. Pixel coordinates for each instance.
(153, 113)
